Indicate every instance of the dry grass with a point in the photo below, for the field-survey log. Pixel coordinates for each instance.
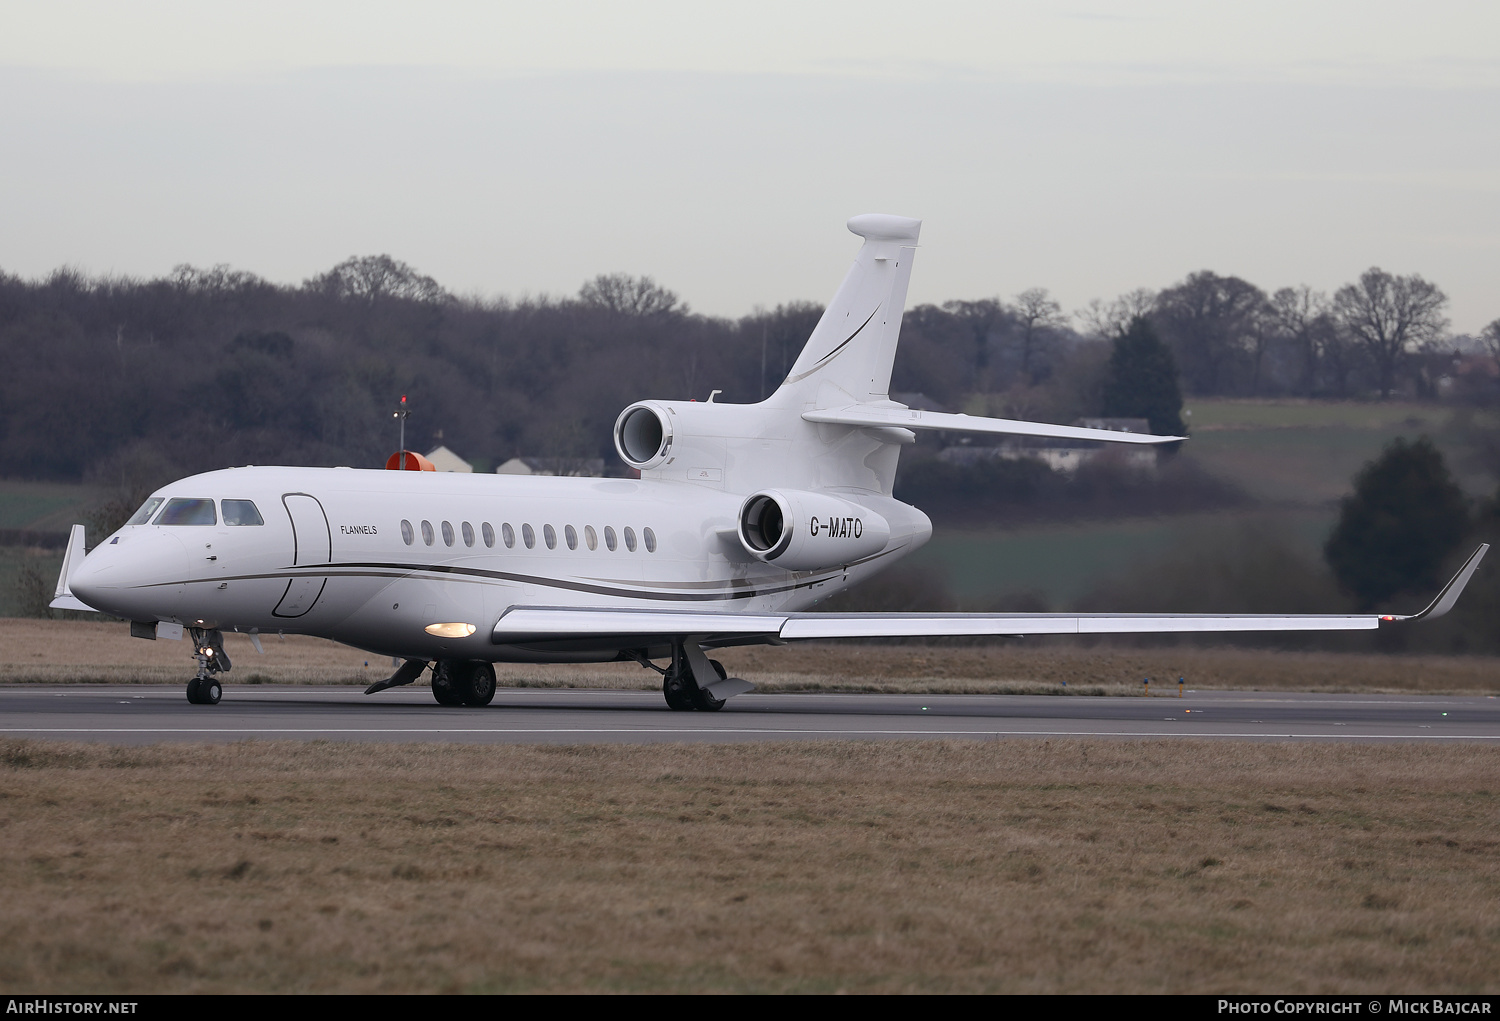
(62, 652)
(1024, 866)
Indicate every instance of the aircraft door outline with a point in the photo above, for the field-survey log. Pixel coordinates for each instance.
(312, 543)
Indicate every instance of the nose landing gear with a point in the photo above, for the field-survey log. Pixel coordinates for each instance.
(208, 650)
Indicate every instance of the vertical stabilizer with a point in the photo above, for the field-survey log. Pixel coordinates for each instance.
(854, 344)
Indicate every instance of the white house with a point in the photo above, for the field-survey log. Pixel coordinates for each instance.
(445, 460)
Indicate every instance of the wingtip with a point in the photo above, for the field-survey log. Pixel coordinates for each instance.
(1455, 587)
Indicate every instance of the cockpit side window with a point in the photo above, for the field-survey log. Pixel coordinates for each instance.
(148, 508)
(242, 512)
(184, 511)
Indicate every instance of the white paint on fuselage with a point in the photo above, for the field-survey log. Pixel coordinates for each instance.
(380, 593)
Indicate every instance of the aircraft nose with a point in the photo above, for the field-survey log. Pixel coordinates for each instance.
(133, 577)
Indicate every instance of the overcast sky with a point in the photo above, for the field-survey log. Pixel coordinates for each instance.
(508, 149)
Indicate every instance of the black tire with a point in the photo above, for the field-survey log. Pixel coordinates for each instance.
(675, 689)
(210, 691)
(443, 687)
(193, 691)
(705, 702)
(478, 684)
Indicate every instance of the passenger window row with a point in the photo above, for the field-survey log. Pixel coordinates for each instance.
(570, 536)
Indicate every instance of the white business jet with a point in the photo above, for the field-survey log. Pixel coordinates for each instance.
(744, 516)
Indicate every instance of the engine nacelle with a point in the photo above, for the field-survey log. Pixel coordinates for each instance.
(803, 531)
(643, 435)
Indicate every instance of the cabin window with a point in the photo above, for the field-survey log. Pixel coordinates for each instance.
(650, 538)
(609, 538)
(509, 535)
(148, 508)
(550, 534)
(241, 512)
(489, 535)
(468, 531)
(184, 511)
(589, 537)
(528, 536)
(447, 534)
(406, 533)
(571, 534)
(427, 532)
(630, 539)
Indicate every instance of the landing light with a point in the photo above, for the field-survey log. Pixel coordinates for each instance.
(450, 630)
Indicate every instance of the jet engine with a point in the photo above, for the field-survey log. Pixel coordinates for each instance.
(803, 531)
(643, 435)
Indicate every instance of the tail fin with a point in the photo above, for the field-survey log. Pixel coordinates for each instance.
(854, 344)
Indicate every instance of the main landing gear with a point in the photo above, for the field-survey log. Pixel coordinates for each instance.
(693, 681)
(208, 650)
(454, 681)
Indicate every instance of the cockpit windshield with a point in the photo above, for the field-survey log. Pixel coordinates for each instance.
(148, 508)
(184, 511)
(242, 512)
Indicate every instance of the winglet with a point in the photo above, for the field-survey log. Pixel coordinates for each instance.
(1451, 591)
(63, 598)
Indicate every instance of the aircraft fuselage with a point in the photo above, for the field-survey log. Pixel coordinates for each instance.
(374, 558)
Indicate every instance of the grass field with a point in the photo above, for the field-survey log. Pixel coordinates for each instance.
(61, 652)
(1020, 866)
(1307, 452)
(1062, 562)
(43, 506)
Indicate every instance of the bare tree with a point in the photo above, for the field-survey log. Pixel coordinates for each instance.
(626, 295)
(369, 278)
(1036, 315)
(1390, 316)
(1490, 335)
(1216, 326)
(1109, 320)
(1302, 317)
(981, 318)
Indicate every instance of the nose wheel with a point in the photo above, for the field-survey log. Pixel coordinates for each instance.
(208, 650)
(204, 691)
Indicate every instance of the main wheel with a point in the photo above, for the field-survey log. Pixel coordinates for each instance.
(675, 689)
(705, 702)
(476, 686)
(443, 687)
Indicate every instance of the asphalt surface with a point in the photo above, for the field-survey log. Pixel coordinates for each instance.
(150, 714)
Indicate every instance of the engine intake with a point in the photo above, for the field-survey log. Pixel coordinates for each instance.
(643, 435)
(804, 531)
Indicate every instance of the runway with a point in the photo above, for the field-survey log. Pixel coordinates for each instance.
(152, 714)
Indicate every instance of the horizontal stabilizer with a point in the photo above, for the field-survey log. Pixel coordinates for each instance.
(896, 416)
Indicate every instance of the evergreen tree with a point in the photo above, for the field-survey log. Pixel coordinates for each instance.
(1142, 380)
(1405, 517)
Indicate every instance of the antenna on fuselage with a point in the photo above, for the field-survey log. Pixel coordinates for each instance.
(400, 414)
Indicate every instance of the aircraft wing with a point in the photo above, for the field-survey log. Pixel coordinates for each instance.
(529, 624)
(897, 417)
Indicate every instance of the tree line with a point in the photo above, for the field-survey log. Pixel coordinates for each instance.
(114, 379)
